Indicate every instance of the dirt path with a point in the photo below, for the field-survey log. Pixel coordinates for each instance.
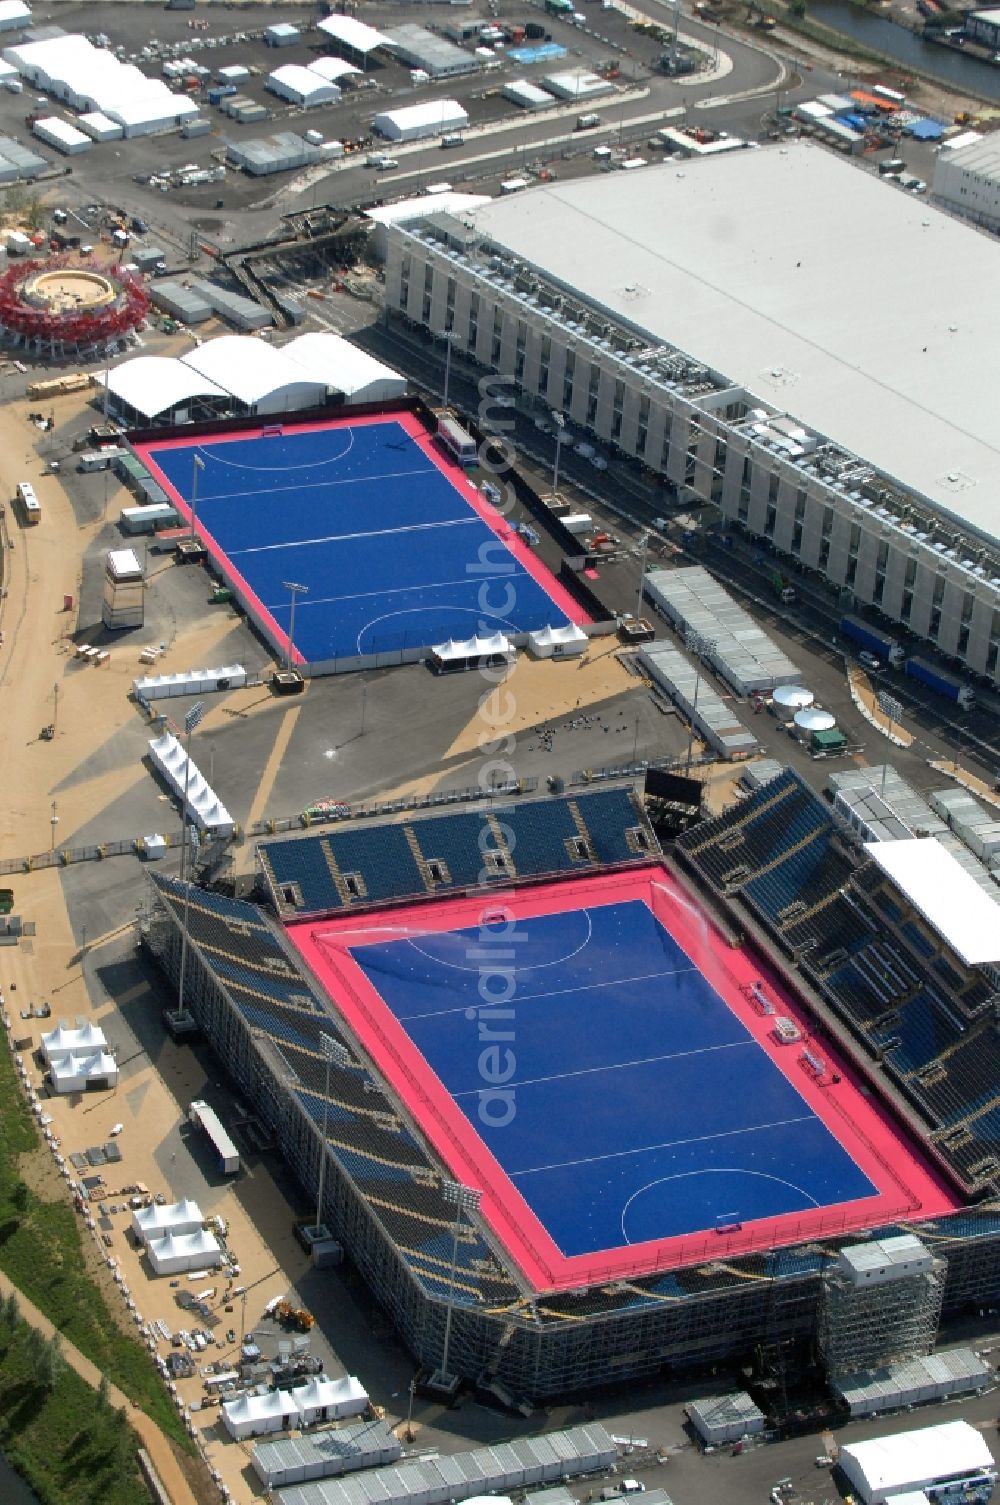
(152, 1439)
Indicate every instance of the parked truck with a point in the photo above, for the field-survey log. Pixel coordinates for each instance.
(882, 644)
(941, 683)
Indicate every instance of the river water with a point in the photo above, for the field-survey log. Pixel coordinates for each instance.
(910, 50)
(13, 1490)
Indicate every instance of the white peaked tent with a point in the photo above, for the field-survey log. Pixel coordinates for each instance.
(253, 1415)
(176, 1217)
(206, 809)
(76, 1071)
(467, 653)
(557, 642)
(176, 1252)
(323, 1399)
(85, 1039)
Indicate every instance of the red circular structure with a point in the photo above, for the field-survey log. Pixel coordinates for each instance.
(39, 307)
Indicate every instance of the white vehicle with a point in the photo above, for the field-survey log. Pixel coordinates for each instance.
(599, 462)
(869, 661)
(584, 450)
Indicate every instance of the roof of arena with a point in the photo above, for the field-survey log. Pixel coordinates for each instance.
(804, 279)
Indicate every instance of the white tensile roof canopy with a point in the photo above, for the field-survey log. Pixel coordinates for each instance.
(948, 897)
(152, 384)
(353, 33)
(249, 369)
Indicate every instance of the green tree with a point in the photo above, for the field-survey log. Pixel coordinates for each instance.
(51, 1362)
(104, 1394)
(20, 1197)
(10, 1312)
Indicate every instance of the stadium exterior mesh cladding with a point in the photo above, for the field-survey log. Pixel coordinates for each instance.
(264, 1011)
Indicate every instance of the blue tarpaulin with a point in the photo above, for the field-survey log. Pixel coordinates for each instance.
(925, 130)
(544, 53)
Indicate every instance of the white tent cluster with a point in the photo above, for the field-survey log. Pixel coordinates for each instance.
(173, 1253)
(205, 808)
(155, 1221)
(79, 1058)
(243, 373)
(71, 68)
(321, 1399)
(175, 1238)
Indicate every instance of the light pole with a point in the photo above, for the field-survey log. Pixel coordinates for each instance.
(197, 466)
(53, 822)
(695, 643)
(334, 1054)
(191, 720)
(296, 591)
(643, 546)
(408, 1434)
(560, 423)
(891, 707)
(450, 338)
(463, 1199)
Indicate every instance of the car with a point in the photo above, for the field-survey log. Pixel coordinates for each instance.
(598, 462)
(584, 450)
(542, 426)
(869, 661)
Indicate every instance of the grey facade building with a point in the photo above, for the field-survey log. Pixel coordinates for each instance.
(722, 322)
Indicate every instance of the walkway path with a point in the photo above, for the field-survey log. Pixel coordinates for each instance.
(152, 1439)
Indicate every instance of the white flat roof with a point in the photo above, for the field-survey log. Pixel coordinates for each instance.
(911, 1458)
(354, 34)
(749, 262)
(439, 203)
(153, 383)
(946, 895)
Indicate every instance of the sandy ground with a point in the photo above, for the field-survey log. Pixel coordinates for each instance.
(41, 681)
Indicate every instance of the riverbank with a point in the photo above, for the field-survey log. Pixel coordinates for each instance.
(833, 48)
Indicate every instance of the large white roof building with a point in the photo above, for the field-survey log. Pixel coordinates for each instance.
(71, 68)
(887, 1468)
(761, 328)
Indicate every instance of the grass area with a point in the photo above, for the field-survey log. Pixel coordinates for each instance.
(40, 1251)
(70, 1447)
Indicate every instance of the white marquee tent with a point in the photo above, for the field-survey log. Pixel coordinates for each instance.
(467, 653)
(323, 1399)
(173, 1253)
(176, 1217)
(342, 367)
(77, 1071)
(61, 1040)
(157, 386)
(262, 380)
(557, 642)
(254, 1415)
(205, 809)
(416, 122)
